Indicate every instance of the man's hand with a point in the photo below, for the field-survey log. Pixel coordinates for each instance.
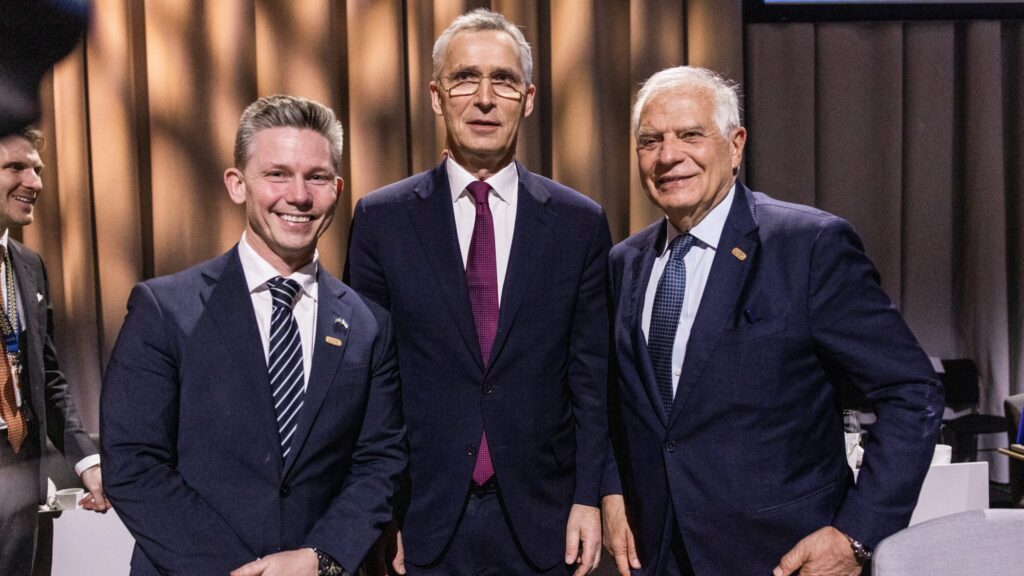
(583, 527)
(397, 553)
(825, 552)
(618, 537)
(290, 563)
(95, 500)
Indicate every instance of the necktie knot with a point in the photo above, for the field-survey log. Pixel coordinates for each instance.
(680, 245)
(283, 291)
(479, 189)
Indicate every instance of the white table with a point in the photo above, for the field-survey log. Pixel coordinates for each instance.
(89, 544)
(951, 488)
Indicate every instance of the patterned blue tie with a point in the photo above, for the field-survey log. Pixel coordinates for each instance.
(668, 304)
(287, 377)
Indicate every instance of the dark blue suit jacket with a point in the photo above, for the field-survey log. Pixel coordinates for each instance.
(191, 455)
(751, 457)
(542, 398)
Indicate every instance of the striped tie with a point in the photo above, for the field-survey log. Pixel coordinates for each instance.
(287, 378)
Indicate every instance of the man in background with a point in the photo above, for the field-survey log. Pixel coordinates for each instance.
(738, 318)
(250, 414)
(495, 279)
(35, 402)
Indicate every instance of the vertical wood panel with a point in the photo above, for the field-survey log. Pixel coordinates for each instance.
(115, 160)
(860, 136)
(780, 105)
(81, 357)
(379, 153)
(928, 187)
(574, 98)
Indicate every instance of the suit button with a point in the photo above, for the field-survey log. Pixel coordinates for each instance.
(488, 389)
(670, 446)
(285, 491)
(471, 450)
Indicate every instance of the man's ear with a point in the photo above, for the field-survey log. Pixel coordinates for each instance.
(235, 184)
(435, 99)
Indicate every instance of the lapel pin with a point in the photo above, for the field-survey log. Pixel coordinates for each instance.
(739, 254)
(39, 297)
(341, 322)
(333, 341)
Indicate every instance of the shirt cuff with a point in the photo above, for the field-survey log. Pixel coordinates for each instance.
(86, 463)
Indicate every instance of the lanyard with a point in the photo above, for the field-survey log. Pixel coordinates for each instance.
(9, 319)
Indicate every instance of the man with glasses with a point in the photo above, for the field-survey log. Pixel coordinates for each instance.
(495, 278)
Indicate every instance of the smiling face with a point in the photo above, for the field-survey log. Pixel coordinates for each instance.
(482, 128)
(687, 166)
(290, 190)
(20, 183)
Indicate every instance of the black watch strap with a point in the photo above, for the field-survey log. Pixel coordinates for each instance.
(327, 566)
(861, 554)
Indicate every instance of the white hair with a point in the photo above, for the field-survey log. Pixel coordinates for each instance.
(724, 93)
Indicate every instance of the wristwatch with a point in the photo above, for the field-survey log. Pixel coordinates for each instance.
(327, 566)
(860, 553)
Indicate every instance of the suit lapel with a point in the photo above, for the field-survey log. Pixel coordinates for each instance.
(333, 318)
(532, 234)
(228, 302)
(642, 265)
(434, 221)
(718, 303)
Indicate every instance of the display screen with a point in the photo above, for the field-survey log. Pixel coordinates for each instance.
(825, 10)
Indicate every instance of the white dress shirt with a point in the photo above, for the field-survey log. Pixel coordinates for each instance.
(257, 272)
(503, 202)
(89, 461)
(698, 267)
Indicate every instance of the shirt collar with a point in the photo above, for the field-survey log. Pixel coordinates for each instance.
(505, 182)
(258, 271)
(3, 239)
(709, 230)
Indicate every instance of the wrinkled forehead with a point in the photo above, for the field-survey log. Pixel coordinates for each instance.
(483, 51)
(675, 108)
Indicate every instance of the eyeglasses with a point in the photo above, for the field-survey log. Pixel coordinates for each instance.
(466, 84)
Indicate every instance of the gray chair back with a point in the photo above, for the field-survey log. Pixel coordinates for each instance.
(978, 542)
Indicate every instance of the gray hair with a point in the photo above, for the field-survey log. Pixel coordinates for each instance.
(284, 111)
(724, 93)
(481, 20)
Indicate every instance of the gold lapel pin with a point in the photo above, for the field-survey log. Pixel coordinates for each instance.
(333, 341)
(739, 254)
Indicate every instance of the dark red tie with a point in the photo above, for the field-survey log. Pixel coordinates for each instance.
(482, 279)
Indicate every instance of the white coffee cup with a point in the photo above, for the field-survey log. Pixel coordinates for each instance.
(943, 454)
(68, 498)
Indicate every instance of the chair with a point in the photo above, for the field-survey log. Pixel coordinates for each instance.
(978, 542)
(960, 380)
(1013, 406)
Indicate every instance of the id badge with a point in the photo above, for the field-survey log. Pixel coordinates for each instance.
(15, 367)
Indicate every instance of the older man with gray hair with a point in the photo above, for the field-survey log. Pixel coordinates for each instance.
(495, 277)
(737, 318)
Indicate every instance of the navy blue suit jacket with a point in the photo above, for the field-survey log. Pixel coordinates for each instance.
(542, 397)
(751, 457)
(191, 455)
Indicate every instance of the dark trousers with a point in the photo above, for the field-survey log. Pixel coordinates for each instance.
(19, 504)
(483, 545)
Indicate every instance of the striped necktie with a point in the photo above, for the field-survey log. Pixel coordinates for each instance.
(287, 377)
